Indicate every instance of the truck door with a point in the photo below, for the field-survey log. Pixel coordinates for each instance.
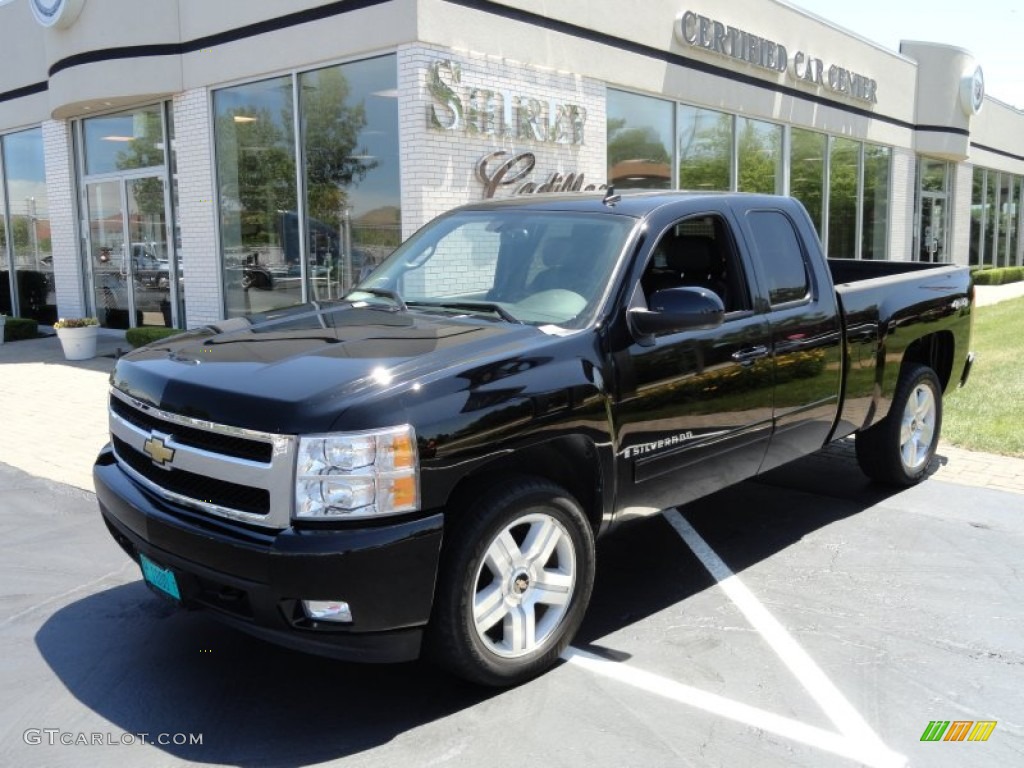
(806, 336)
(694, 409)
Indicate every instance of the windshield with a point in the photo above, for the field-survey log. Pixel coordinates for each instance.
(536, 267)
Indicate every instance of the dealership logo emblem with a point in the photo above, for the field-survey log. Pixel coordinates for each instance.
(958, 730)
(60, 14)
(156, 448)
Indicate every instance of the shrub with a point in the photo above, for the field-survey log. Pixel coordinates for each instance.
(998, 275)
(18, 328)
(139, 337)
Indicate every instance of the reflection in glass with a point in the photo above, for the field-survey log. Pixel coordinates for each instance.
(759, 156)
(6, 306)
(176, 270)
(256, 179)
(27, 233)
(107, 253)
(807, 171)
(124, 141)
(705, 148)
(977, 214)
(535, 267)
(639, 141)
(1015, 221)
(1007, 220)
(991, 219)
(933, 175)
(350, 144)
(876, 202)
(842, 200)
(149, 265)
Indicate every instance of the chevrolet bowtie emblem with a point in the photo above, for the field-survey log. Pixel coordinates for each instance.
(156, 448)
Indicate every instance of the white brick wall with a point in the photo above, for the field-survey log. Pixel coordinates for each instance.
(904, 181)
(960, 189)
(439, 166)
(67, 265)
(200, 251)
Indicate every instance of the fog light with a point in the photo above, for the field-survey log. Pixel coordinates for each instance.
(328, 610)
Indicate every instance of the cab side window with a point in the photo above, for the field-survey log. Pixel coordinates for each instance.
(698, 252)
(782, 256)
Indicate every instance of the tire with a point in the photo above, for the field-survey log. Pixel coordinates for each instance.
(515, 579)
(898, 450)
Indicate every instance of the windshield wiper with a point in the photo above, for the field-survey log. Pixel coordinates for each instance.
(387, 294)
(486, 306)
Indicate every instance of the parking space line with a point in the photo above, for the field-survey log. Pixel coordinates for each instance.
(855, 738)
(874, 754)
(822, 690)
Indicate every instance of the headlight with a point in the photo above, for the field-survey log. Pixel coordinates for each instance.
(350, 475)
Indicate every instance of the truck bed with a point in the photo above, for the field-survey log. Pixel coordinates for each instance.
(881, 303)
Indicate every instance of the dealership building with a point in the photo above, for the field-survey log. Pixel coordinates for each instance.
(178, 162)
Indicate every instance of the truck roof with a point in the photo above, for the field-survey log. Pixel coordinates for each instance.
(635, 204)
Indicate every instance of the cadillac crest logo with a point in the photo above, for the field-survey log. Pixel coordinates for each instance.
(972, 91)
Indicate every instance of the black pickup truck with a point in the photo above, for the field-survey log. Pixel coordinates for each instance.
(424, 465)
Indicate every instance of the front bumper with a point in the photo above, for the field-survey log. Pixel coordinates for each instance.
(255, 580)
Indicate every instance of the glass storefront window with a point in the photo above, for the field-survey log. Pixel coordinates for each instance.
(933, 175)
(875, 224)
(6, 302)
(25, 245)
(842, 198)
(705, 148)
(124, 141)
(807, 171)
(353, 188)
(255, 151)
(1007, 220)
(128, 217)
(1015, 222)
(759, 156)
(640, 131)
(977, 215)
(991, 219)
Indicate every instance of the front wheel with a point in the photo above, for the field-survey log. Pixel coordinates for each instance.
(514, 584)
(898, 450)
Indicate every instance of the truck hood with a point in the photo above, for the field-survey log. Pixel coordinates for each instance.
(296, 370)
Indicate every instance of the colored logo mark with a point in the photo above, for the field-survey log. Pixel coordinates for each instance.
(959, 730)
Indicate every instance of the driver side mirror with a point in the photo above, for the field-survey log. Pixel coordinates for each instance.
(673, 310)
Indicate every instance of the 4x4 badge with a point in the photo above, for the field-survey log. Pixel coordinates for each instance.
(156, 448)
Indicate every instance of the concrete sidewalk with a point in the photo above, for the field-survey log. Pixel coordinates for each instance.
(53, 414)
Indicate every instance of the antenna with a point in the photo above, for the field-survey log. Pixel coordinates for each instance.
(610, 198)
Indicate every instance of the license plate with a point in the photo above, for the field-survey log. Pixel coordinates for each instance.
(161, 578)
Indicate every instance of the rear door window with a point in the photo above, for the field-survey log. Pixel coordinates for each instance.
(785, 266)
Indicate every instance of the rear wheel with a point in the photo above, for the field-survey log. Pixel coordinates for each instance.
(515, 581)
(898, 450)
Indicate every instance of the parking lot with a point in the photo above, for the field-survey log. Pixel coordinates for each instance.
(806, 619)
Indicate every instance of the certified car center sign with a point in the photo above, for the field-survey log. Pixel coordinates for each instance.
(58, 14)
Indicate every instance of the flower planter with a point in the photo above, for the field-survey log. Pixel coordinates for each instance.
(78, 343)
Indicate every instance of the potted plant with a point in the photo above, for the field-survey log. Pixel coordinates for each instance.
(78, 336)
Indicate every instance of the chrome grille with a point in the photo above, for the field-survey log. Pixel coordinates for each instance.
(225, 471)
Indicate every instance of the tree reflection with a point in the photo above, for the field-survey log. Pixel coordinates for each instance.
(331, 128)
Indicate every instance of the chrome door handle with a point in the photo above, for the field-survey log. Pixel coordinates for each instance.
(751, 355)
